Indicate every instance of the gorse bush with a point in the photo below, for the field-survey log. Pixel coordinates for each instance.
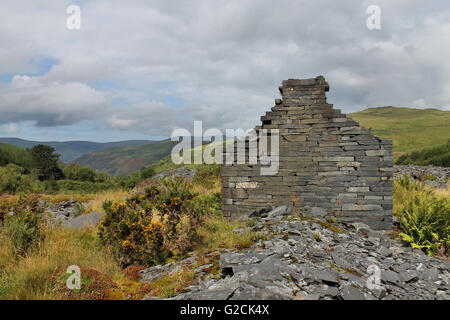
(150, 227)
(424, 217)
(23, 225)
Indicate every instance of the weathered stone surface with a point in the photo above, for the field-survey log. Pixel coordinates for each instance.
(351, 293)
(318, 212)
(179, 172)
(296, 265)
(83, 222)
(279, 211)
(63, 210)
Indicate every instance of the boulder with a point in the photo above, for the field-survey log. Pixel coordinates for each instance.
(83, 222)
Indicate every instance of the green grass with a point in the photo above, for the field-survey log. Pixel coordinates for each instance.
(166, 163)
(411, 129)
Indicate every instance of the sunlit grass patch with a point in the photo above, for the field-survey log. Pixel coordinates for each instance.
(30, 277)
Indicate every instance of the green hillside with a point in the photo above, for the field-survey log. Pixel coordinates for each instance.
(70, 150)
(411, 129)
(124, 160)
(15, 155)
(438, 156)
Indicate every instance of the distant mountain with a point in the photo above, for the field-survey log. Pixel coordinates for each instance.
(126, 159)
(70, 150)
(411, 129)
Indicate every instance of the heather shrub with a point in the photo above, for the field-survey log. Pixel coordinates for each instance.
(94, 285)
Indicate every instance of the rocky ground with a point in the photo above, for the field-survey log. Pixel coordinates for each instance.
(67, 213)
(179, 172)
(436, 177)
(64, 210)
(306, 258)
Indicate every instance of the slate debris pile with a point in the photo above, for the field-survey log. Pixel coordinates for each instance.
(308, 258)
(63, 210)
(67, 215)
(435, 177)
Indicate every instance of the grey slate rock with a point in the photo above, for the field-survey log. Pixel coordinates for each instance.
(429, 274)
(407, 276)
(278, 211)
(318, 212)
(83, 222)
(260, 213)
(389, 276)
(290, 266)
(351, 293)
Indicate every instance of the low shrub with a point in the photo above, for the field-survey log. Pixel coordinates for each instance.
(207, 175)
(23, 225)
(13, 179)
(149, 228)
(132, 272)
(423, 216)
(146, 172)
(207, 203)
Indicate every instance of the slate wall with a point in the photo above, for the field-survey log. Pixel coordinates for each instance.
(328, 164)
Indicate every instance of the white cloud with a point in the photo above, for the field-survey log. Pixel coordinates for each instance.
(222, 59)
(153, 118)
(11, 128)
(49, 104)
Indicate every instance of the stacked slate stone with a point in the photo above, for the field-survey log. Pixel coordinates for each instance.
(328, 164)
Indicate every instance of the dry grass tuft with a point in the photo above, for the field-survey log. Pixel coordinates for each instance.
(30, 277)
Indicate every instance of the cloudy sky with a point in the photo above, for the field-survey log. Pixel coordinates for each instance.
(139, 69)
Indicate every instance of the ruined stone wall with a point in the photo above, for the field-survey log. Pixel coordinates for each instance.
(328, 164)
